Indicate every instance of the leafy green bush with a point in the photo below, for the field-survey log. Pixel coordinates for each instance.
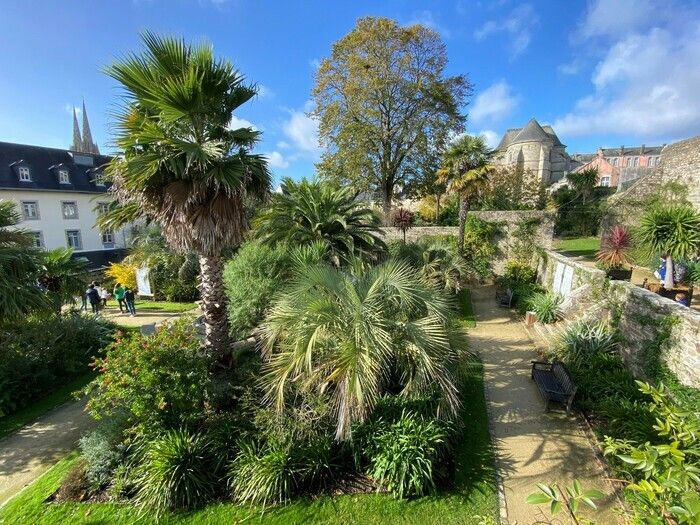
(174, 277)
(406, 454)
(479, 245)
(39, 355)
(177, 470)
(158, 381)
(582, 341)
(251, 279)
(545, 306)
(517, 272)
(436, 260)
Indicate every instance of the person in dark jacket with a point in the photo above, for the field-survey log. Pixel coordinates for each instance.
(130, 299)
(94, 297)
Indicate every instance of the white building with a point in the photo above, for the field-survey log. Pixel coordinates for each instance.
(60, 194)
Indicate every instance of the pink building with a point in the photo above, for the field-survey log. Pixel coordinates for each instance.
(619, 165)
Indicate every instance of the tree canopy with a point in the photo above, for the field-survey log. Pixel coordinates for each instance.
(383, 103)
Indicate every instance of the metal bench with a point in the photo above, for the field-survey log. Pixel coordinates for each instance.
(505, 297)
(554, 382)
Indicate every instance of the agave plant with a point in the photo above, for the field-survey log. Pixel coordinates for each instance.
(403, 219)
(346, 334)
(615, 248)
(545, 306)
(673, 231)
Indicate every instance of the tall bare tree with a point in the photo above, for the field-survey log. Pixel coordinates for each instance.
(180, 163)
(383, 100)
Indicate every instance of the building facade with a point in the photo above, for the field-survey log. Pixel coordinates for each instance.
(59, 194)
(619, 166)
(536, 150)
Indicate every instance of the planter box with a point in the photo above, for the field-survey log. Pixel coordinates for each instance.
(671, 294)
(619, 274)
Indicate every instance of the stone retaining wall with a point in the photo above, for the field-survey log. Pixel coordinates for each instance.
(508, 220)
(643, 316)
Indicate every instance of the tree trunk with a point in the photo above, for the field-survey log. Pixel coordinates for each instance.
(216, 334)
(404, 236)
(437, 208)
(387, 192)
(463, 209)
(669, 284)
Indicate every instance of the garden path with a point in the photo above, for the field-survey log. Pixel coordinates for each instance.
(531, 446)
(32, 450)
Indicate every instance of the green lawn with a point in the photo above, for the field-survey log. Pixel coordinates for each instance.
(157, 306)
(29, 413)
(578, 246)
(473, 494)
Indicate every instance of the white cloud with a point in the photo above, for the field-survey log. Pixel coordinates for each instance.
(604, 17)
(276, 160)
(492, 138)
(69, 109)
(427, 18)
(283, 145)
(241, 123)
(302, 131)
(494, 103)
(646, 81)
(264, 91)
(570, 68)
(517, 25)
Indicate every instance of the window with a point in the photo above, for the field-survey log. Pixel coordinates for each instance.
(69, 209)
(635, 162)
(614, 161)
(63, 177)
(24, 174)
(73, 239)
(30, 210)
(102, 208)
(108, 238)
(83, 160)
(605, 181)
(38, 239)
(99, 179)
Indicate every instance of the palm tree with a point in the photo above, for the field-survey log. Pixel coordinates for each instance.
(673, 231)
(466, 166)
(62, 276)
(181, 165)
(308, 212)
(346, 334)
(583, 182)
(19, 267)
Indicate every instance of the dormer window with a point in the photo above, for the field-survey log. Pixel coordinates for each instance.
(24, 174)
(63, 177)
(99, 179)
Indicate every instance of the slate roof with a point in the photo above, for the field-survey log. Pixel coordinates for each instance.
(532, 131)
(617, 152)
(44, 165)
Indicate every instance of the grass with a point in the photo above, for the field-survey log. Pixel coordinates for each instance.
(466, 311)
(579, 246)
(157, 306)
(39, 407)
(472, 495)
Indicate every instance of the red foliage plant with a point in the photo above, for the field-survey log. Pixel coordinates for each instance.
(615, 249)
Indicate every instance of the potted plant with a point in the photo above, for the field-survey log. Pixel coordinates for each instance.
(614, 254)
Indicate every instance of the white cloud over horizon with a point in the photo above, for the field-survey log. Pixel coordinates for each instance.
(302, 132)
(236, 123)
(646, 79)
(429, 20)
(492, 138)
(494, 103)
(276, 160)
(517, 26)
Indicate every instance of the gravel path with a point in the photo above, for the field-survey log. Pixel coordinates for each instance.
(531, 446)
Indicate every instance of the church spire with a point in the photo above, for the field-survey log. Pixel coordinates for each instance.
(77, 141)
(88, 145)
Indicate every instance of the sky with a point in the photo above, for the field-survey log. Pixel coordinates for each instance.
(602, 73)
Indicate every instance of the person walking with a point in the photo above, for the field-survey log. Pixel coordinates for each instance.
(119, 296)
(93, 296)
(104, 295)
(129, 299)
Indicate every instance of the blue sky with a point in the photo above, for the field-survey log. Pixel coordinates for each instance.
(603, 73)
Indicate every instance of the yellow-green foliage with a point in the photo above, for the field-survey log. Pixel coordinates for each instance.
(123, 273)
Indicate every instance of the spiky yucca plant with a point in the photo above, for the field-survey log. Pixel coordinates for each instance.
(615, 249)
(403, 219)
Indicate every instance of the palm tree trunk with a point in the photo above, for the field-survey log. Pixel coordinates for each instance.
(669, 284)
(216, 334)
(437, 208)
(463, 209)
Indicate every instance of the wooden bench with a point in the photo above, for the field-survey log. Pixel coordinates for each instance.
(554, 382)
(505, 297)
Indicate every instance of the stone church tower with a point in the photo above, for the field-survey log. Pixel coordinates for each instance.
(84, 143)
(534, 150)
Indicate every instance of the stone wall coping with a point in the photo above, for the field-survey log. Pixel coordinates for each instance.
(576, 264)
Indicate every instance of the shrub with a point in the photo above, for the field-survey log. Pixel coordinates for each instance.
(405, 455)
(615, 249)
(583, 340)
(101, 451)
(39, 355)
(545, 306)
(174, 277)
(158, 381)
(251, 279)
(517, 272)
(124, 273)
(479, 245)
(177, 470)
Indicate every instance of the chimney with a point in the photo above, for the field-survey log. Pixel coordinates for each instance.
(622, 150)
(642, 152)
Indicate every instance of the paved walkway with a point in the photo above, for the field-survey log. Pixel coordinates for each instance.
(532, 446)
(28, 453)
